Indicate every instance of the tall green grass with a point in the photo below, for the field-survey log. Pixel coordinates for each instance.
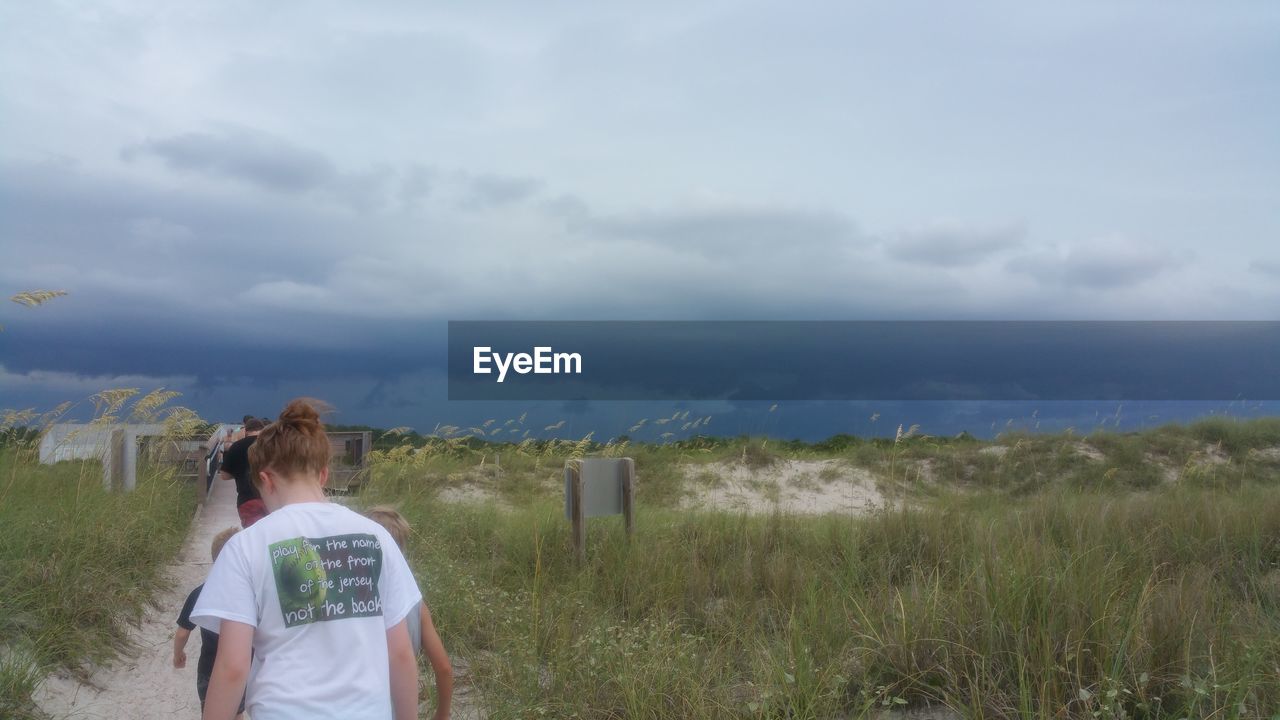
(1083, 597)
(77, 565)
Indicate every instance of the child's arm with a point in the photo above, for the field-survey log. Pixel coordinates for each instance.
(440, 665)
(230, 671)
(180, 647)
(404, 672)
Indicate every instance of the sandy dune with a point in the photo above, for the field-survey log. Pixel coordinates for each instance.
(810, 487)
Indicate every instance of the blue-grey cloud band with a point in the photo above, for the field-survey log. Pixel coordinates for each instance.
(888, 361)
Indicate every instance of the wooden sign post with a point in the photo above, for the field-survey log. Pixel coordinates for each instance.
(577, 514)
(628, 495)
(594, 487)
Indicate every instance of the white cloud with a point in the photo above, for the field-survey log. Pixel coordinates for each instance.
(1103, 263)
(444, 160)
(253, 157)
(952, 244)
(154, 234)
(287, 294)
(70, 385)
(1266, 267)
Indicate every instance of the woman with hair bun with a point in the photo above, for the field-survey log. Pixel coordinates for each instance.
(310, 602)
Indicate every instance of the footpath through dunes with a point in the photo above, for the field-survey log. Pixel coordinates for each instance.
(144, 685)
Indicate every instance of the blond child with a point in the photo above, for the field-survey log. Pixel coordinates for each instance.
(208, 640)
(422, 631)
(310, 602)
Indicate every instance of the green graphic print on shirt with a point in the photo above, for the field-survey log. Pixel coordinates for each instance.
(329, 578)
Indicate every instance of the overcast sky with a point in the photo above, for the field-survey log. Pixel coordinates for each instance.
(245, 200)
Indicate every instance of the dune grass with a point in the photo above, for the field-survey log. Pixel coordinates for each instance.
(1223, 452)
(1099, 590)
(77, 565)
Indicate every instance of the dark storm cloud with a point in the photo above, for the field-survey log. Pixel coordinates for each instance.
(877, 360)
(279, 348)
(253, 157)
(949, 245)
(387, 392)
(316, 187)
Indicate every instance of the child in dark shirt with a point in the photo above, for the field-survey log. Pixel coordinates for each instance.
(208, 640)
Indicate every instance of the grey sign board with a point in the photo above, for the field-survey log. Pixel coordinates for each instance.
(601, 487)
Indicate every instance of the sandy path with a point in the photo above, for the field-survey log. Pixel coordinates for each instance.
(147, 687)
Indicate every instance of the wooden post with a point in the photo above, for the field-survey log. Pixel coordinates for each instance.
(129, 460)
(113, 460)
(628, 495)
(577, 512)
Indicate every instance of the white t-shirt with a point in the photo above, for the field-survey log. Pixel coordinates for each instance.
(321, 585)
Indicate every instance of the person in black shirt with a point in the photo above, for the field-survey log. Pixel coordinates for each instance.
(235, 465)
(208, 639)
